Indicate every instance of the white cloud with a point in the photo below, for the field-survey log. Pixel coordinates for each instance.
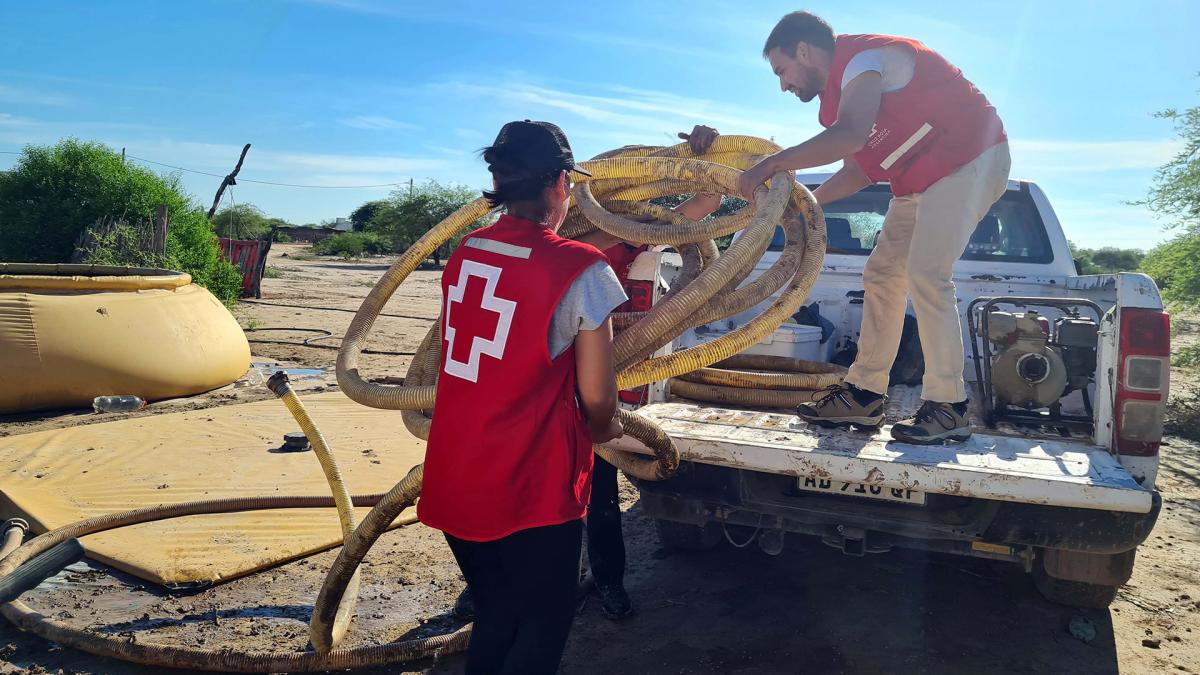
(30, 97)
(1034, 157)
(376, 123)
(469, 134)
(330, 163)
(648, 40)
(358, 6)
(297, 167)
(444, 150)
(622, 115)
(90, 82)
(1108, 221)
(407, 11)
(7, 120)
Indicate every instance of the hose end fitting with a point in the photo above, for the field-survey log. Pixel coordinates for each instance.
(14, 522)
(278, 384)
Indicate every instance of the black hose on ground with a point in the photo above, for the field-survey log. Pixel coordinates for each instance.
(308, 342)
(14, 555)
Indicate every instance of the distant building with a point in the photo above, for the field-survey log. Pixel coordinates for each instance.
(315, 234)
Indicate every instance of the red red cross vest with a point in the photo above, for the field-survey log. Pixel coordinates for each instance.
(509, 448)
(620, 258)
(924, 131)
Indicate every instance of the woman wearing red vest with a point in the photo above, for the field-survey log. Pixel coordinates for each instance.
(895, 110)
(526, 387)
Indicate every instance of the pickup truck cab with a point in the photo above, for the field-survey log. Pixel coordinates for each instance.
(1059, 474)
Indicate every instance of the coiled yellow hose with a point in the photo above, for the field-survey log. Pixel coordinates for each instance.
(801, 259)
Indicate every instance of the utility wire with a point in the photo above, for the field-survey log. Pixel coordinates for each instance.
(249, 180)
(268, 181)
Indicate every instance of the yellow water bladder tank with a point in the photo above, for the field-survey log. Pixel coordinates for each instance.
(69, 333)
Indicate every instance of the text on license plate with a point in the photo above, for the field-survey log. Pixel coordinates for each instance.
(838, 487)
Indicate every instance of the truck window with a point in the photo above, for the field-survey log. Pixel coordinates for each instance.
(1012, 230)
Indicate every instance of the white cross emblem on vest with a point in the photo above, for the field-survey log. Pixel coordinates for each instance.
(479, 345)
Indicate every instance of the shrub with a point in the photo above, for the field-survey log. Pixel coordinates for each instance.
(350, 244)
(1175, 267)
(53, 193)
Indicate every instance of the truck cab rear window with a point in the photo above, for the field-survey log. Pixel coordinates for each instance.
(1012, 230)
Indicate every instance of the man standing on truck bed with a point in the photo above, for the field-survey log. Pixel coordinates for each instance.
(895, 110)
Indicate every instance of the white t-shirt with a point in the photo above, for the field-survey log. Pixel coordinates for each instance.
(894, 63)
(594, 294)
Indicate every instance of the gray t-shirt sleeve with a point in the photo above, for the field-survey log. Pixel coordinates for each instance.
(595, 293)
(895, 65)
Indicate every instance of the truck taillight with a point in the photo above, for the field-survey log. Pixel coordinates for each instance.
(1143, 377)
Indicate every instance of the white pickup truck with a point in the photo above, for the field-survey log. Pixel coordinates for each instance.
(1069, 379)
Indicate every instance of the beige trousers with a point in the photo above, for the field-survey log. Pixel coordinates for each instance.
(923, 235)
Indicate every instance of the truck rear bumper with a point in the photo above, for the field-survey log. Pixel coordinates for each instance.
(1023, 470)
(703, 494)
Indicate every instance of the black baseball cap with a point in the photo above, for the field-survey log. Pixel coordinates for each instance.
(540, 147)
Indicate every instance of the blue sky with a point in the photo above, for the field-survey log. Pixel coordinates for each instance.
(367, 92)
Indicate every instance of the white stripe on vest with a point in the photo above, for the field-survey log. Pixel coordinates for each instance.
(500, 247)
(905, 146)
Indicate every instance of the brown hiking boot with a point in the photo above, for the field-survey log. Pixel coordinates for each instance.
(842, 405)
(935, 423)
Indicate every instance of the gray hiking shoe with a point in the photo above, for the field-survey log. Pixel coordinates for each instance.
(842, 405)
(935, 423)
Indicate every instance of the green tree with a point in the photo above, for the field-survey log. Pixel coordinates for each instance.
(1107, 260)
(1175, 194)
(55, 192)
(363, 214)
(405, 216)
(1112, 259)
(1175, 267)
(241, 221)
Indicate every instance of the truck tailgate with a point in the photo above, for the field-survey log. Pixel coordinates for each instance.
(1027, 470)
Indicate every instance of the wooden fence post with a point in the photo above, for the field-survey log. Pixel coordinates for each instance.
(162, 223)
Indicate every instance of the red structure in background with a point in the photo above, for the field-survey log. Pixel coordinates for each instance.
(250, 257)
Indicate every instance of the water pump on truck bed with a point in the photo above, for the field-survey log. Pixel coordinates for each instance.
(1027, 364)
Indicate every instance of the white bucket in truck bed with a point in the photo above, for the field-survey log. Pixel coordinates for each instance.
(987, 466)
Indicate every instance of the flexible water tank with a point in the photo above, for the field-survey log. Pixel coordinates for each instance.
(69, 333)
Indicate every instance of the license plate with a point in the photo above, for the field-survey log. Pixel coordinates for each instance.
(838, 487)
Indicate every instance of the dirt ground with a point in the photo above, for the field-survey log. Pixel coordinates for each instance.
(808, 610)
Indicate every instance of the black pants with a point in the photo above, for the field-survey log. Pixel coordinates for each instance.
(524, 591)
(606, 544)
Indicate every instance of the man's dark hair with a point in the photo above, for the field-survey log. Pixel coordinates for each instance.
(799, 27)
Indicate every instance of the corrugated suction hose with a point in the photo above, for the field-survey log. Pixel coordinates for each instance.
(326, 632)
